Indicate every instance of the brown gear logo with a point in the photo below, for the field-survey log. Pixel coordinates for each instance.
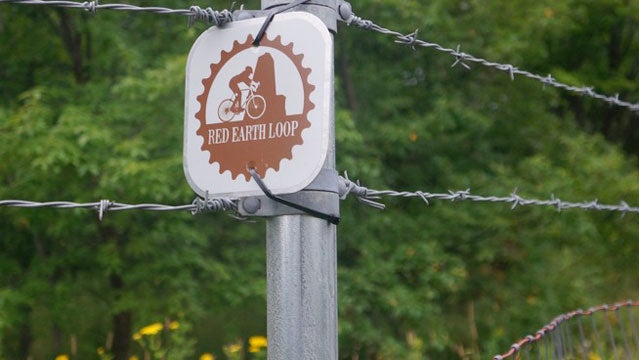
(251, 127)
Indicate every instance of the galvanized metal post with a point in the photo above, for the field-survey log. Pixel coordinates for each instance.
(302, 260)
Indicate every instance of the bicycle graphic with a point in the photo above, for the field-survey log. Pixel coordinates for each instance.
(254, 105)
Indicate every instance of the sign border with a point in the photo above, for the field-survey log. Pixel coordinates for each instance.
(322, 106)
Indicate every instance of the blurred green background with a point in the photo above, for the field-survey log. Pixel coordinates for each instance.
(91, 107)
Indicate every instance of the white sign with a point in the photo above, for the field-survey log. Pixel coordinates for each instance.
(264, 107)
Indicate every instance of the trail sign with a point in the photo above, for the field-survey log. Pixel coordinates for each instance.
(264, 107)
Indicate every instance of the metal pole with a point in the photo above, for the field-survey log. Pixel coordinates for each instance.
(302, 262)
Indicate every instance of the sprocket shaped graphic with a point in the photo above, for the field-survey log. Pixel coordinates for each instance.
(262, 155)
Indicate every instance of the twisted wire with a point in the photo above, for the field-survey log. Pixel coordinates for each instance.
(198, 205)
(347, 187)
(194, 13)
(549, 329)
(463, 59)
(370, 196)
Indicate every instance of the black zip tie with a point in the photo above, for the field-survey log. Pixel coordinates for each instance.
(330, 218)
(269, 18)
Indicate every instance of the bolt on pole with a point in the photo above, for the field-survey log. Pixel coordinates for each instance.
(302, 258)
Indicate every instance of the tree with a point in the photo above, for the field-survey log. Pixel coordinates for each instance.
(437, 129)
(95, 111)
(83, 134)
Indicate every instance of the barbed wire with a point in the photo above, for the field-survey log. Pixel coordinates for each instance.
(556, 323)
(370, 197)
(219, 18)
(347, 187)
(194, 13)
(463, 59)
(199, 205)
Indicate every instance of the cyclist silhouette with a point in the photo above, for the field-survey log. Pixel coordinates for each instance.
(243, 77)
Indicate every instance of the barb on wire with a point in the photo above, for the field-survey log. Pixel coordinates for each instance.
(369, 196)
(194, 13)
(463, 59)
(198, 205)
(346, 187)
(550, 330)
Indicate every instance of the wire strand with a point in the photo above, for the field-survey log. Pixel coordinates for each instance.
(347, 187)
(207, 15)
(549, 329)
(370, 195)
(199, 205)
(219, 18)
(463, 59)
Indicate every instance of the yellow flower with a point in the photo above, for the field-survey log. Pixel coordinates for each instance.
(593, 356)
(254, 349)
(233, 348)
(152, 329)
(257, 341)
(207, 356)
(134, 358)
(137, 336)
(548, 13)
(100, 350)
(173, 325)
(62, 357)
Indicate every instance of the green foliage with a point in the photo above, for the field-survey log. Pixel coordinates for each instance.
(438, 129)
(101, 117)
